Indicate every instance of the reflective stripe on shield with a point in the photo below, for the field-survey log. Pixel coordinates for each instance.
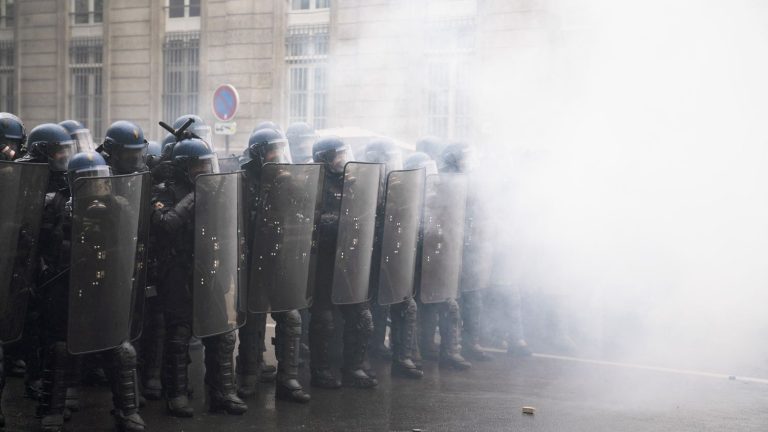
(105, 230)
(218, 276)
(357, 225)
(400, 235)
(140, 277)
(284, 235)
(443, 237)
(22, 187)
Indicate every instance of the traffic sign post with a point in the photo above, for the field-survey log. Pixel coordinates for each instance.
(225, 104)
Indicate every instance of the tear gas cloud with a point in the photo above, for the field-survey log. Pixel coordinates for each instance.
(628, 154)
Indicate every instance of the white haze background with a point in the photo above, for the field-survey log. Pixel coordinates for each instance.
(631, 153)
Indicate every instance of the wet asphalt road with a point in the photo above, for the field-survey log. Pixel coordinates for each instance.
(567, 395)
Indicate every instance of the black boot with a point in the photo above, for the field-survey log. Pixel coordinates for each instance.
(321, 329)
(249, 354)
(152, 356)
(450, 355)
(176, 361)
(287, 345)
(125, 389)
(219, 374)
(403, 338)
(358, 326)
(54, 390)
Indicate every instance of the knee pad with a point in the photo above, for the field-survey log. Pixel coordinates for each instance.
(291, 323)
(125, 354)
(364, 322)
(452, 308)
(177, 339)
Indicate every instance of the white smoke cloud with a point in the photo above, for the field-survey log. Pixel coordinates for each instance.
(632, 150)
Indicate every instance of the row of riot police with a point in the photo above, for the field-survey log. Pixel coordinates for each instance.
(137, 246)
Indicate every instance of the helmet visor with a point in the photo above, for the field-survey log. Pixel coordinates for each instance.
(59, 155)
(91, 188)
(203, 132)
(83, 140)
(430, 167)
(277, 151)
(468, 160)
(202, 165)
(131, 159)
(339, 158)
(393, 160)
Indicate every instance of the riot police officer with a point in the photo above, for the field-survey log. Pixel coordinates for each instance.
(198, 128)
(432, 146)
(459, 158)
(59, 363)
(12, 137)
(173, 224)
(50, 143)
(358, 323)
(125, 148)
(126, 151)
(301, 136)
(446, 313)
(80, 134)
(268, 146)
(403, 315)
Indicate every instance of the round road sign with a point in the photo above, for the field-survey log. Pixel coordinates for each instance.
(225, 101)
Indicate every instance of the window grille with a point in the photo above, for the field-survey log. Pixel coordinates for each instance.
(85, 91)
(181, 60)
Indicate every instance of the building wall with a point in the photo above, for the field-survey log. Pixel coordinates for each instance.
(41, 49)
(378, 54)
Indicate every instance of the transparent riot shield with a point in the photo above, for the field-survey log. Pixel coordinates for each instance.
(478, 246)
(445, 204)
(400, 235)
(284, 237)
(140, 277)
(22, 187)
(105, 239)
(357, 226)
(229, 164)
(218, 278)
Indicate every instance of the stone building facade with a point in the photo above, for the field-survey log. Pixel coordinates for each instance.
(403, 68)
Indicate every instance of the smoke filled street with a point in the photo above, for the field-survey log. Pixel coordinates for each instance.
(567, 396)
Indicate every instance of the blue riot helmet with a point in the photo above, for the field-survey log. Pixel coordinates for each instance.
(87, 164)
(51, 143)
(421, 160)
(80, 134)
(154, 149)
(432, 146)
(386, 152)
(166, 147)
(198, 128)
(127, 149)
(193, 157)
(13, 136)
(333, 152)
(266, 124)
(459, 157)
(269, 146)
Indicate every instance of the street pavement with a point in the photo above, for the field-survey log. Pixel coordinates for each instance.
(567, 394)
